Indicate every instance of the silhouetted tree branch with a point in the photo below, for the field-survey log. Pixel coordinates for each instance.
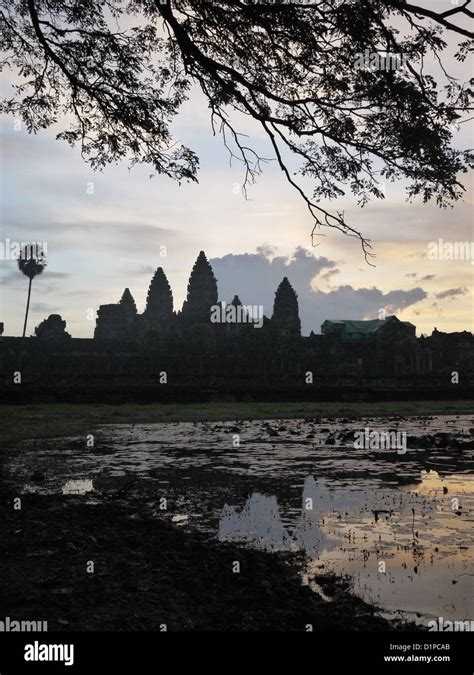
(290, 67)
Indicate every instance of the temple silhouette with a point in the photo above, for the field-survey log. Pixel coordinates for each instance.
(210, 346)
(121, 321)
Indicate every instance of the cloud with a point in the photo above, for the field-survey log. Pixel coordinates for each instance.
(10, 275)
(428, 277)
(255, 278)
(267, 251)
(55, 275)
(141, 271)
(43, 307)
(330, 273)
(109, 230)
(451, 293)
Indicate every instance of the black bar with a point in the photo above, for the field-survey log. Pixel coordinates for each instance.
(157, 652)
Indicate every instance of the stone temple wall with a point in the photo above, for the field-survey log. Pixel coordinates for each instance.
(238, 360)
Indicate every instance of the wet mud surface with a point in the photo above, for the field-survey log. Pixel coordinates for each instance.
(166, 510)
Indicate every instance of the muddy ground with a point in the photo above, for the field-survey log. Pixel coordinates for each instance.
(149, 573)
(201, 564)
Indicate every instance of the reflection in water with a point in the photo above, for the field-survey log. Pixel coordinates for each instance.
(424, 570)
(432, 484)
(300, 485)
(259, 523)
(78, 487)
(180, 519)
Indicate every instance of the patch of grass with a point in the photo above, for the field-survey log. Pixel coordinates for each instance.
(51, 420)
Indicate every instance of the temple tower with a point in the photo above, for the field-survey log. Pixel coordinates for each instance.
(202, 292)
(159, 302)
(128, 304)
(117, 321)
(236, 301)
(285, 310)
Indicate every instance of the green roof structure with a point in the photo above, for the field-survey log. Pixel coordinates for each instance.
(356, 330)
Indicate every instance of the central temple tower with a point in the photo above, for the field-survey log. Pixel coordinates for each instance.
(202, 292)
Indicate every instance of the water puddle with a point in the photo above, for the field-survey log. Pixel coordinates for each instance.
(400, 525)
(78, 487)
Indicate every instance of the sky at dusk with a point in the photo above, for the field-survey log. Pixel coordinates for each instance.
(110, 230)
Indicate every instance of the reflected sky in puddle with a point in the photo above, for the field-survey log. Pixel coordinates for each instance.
(425, 549)
(298, 486)
(78, 487)
(180, 519)
(259, 524)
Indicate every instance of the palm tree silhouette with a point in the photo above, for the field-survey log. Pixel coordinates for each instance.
(31, 263)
